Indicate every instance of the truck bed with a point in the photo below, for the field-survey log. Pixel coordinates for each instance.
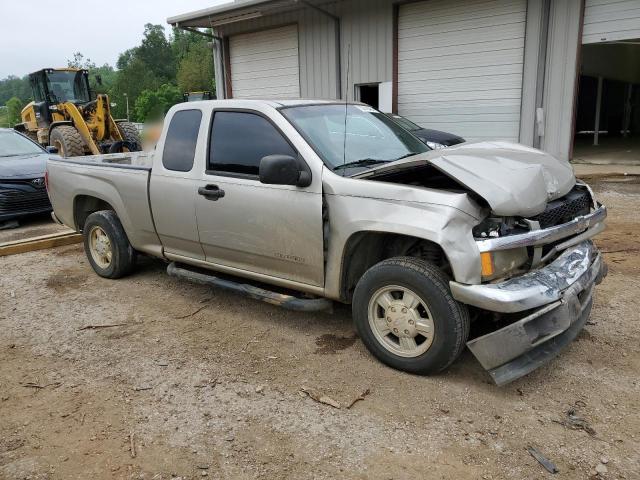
(135, 160)
(120, 181)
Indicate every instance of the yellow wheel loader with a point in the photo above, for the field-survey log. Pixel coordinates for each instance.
(66, 115)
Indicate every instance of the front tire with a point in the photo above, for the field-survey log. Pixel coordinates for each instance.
(67, 140)
(406, 316)
(107, 246)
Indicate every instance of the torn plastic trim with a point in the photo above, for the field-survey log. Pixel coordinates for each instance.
(581, 264)
(548, 235)
(542, 353)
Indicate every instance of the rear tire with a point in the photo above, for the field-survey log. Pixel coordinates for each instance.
(67, 140)
(407, 318)
(107, 246)
(130, 136)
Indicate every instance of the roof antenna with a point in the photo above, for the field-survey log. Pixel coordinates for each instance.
(346, 110)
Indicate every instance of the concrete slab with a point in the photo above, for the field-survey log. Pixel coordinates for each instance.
(617, 151)
(30, 227)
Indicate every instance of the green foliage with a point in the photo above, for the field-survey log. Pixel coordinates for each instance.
(14, 107)
(13, 86)
(4, 118)
(195, 70)
(154, 104)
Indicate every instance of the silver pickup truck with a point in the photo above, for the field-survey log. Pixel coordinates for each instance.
(312, 202)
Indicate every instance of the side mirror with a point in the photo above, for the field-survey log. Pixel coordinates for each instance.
(52, 149)
(283, 170)
(99, 79)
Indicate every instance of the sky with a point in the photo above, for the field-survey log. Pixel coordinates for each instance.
(35, 34)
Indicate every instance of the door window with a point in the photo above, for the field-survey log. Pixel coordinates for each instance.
(182, 137)
(239, 141)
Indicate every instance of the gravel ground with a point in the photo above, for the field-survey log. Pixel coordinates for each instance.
(195, 383)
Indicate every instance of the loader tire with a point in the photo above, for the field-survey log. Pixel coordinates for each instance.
(67, 140)
(107, 245)
(130, 136)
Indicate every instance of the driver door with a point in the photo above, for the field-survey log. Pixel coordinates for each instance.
(272, 230)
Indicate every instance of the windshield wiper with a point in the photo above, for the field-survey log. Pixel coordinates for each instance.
(411, 154)
(365, 162)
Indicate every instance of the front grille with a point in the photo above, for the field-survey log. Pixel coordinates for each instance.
(23, 201)
(563, 210)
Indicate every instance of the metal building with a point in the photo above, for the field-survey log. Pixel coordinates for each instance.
(483, 69)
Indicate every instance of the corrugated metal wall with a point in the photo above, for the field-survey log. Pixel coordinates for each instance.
(367, 30)
(609, 20)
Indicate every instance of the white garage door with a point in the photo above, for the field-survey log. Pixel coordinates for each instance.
(607, 20)
(265, 64)
(460, 66)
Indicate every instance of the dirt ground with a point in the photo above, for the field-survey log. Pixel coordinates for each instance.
(195, 383)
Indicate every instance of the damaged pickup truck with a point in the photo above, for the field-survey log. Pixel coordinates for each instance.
(312, 202)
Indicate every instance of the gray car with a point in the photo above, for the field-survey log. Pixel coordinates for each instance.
(22, 171)
(313, 201)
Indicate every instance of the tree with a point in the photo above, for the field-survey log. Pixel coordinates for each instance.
(154, 104)
(80, 61)
(13, 86)
(195, 70)
(14, 107)
(155, 52)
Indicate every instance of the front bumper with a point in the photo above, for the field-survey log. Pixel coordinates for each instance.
(556, 301)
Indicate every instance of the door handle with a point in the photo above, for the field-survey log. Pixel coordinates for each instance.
(211, 192)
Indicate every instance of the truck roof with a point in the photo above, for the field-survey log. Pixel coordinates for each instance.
(275, 103)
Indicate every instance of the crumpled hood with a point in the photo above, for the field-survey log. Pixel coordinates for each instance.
(23, 166)
(512, 178)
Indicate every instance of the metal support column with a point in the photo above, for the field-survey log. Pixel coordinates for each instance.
(596, 130)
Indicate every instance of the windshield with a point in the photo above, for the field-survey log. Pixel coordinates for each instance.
(13, 144)
(371, 137)
(68, 86)
(405, 123)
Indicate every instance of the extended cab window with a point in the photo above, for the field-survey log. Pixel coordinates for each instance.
(240, 140)
(180, 144)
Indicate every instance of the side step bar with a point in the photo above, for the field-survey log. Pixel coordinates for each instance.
(285, 301)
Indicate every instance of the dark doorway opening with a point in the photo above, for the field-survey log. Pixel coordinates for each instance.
(369, 94)
(607, 123)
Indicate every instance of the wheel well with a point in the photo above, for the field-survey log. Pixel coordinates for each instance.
(365, 249)
(85, 205)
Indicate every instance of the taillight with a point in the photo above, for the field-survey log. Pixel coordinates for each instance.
(46, 180)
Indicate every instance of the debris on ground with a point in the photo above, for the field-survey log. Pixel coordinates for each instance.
(573, 421)
(188, 315)
(542, 460)
(132, 444)
(601, 468)
(40, 387)
(359, 398)
(97, 327)
(320, 398)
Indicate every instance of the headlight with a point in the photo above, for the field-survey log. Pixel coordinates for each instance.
(435, 145)
(500, 263)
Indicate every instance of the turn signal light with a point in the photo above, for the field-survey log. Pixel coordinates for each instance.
(486, 260)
